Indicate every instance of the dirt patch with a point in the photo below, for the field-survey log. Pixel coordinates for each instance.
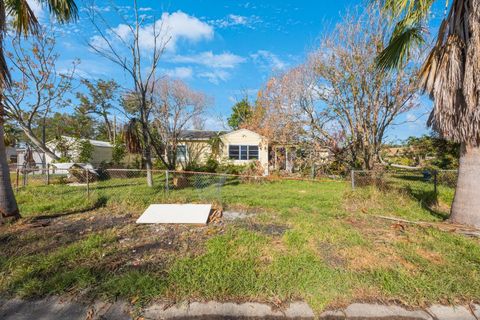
(329, 254)
(135, 245)
(236, 215)
(432, 257)
(269, 229)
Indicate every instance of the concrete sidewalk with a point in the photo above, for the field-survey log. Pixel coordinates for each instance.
(55, 308)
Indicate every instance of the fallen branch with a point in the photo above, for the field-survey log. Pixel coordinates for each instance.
(450, 227)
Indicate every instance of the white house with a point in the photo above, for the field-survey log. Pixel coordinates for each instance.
(71, 147)
(244, 146)
(238, 147)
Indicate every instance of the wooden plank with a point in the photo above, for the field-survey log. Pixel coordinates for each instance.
(176, 213)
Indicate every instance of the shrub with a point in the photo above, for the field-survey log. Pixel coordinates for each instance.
(86, 151)
(118, 153)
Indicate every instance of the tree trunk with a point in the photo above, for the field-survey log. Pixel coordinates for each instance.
(109, 128)
(148, 167)
(39, 144)
(466, 204)
(8, 204)
(147, 153)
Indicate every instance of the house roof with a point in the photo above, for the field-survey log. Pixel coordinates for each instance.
(96, 143)
(244, 130)
(199, 134)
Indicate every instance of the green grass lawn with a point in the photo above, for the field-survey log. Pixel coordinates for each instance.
(316, 241)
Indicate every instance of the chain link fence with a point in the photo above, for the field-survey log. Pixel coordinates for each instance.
(402, 178)
(165, 185)
(200, 187)
(429, 186)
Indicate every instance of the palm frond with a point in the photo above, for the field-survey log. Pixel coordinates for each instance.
(398, 49)
(398, 8)
(63, 10)
(24, 20)
(410, 15)
(132, 137)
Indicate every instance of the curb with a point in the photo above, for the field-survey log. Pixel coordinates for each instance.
(212, 309)
(54, 308)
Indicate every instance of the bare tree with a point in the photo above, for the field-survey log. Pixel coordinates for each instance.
(176, 107)
(343, 97)
(123, 48)
(39, 89)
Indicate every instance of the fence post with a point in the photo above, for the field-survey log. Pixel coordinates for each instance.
(88, 183)
(17, 179)
(25, 173)
(352, 177)
(435, 183)
(166, 181)
(313, 171)
(48, 174)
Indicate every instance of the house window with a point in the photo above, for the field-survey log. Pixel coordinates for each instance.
(236, 152)
(252, 152)
(181, 153)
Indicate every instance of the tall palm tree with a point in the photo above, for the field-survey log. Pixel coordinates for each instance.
(451, 76)
(24, 22)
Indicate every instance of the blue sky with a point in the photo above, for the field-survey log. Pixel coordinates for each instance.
(223, 48)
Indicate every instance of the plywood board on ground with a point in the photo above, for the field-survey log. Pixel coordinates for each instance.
(176, 213)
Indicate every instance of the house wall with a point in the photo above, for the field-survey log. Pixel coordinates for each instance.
(101, 154)
(197, 151)
(245, 137)
(37, 157)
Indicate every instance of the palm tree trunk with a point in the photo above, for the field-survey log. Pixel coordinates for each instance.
(466, 204)
(8, 204)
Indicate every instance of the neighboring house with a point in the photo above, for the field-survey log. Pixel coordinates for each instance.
(29, 157)
(68, 147)
(12, 156)
(238, 147)
(71, 147)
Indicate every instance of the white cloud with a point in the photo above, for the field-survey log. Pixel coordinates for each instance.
(268, 60)
(174, 27)
(180, 25)
(208, 58)
(96, 8)
(215, 76)
(145, 9)
(236, 20)
(180, 73)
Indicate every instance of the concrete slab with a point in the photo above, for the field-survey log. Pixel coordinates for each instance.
(451, 313)
(47, 309)
(299, 310)
(176, 213)
(212, 309)
(377, 311)
(476, 310)
(332, 315)
(119, 310)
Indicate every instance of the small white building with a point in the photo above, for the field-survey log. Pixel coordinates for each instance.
(71, 147)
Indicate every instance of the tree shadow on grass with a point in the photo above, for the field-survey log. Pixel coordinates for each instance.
(428, 200)
(99, 203)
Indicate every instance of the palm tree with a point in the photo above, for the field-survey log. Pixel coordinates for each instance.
(451, 76)
(24, 22)
(216, 144)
